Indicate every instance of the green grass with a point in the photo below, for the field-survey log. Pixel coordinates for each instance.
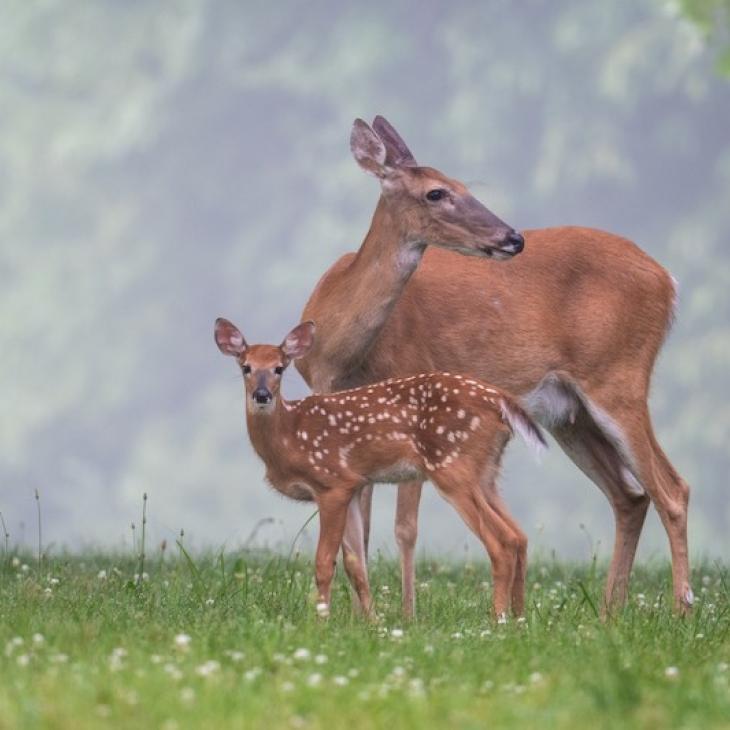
(80, 650)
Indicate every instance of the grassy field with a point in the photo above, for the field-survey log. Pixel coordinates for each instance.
(232, 641)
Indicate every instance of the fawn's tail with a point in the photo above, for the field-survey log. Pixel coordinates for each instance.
(520, 422)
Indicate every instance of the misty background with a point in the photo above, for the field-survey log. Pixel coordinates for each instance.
(165, 163)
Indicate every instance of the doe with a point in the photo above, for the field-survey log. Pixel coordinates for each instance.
(450, 429)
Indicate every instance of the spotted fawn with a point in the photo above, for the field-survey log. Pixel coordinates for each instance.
(450, 429)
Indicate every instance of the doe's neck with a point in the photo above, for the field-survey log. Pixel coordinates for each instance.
(351, 310)
(390, 252)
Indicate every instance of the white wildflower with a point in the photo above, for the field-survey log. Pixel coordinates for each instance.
(13, 644)
(173, 671)
(182, 642)
(116, 659)
(187, 694)
(302, 654)
(208, 668)
(671, 672)
(314, 680)
(415, 687)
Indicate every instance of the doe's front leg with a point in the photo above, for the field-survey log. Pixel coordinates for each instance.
(354, 557)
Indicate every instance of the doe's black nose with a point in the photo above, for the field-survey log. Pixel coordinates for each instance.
(516, 241)
(261, 395)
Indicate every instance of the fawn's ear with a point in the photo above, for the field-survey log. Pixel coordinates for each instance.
(228, 338)
(368, 149)
(299, 341)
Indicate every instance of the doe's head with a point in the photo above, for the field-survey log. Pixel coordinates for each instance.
(263, 365)
(432, 209)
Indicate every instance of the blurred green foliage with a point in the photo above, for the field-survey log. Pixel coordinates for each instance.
(713, 18)
(165, 163)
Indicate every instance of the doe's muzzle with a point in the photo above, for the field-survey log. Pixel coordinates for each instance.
(513, 243)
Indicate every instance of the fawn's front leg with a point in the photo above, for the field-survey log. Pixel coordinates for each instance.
(332, 517)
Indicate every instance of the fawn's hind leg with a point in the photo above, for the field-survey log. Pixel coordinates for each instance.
(495, 501)
(499, 539)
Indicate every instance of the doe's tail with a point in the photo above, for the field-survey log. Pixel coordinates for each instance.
(520, 422)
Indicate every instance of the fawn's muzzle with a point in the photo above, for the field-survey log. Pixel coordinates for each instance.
(262, 396)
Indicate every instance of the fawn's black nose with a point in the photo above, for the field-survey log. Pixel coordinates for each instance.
(261, 395)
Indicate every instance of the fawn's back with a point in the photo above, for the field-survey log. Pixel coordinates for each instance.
(403, 428)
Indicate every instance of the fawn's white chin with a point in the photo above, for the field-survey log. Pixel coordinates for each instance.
(260, 409)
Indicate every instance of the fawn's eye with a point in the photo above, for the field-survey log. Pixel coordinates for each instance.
(435, 194)
(246, 369)
(278, 370)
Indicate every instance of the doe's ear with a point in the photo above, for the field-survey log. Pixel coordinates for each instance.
(368, 149)
(397, 152)
(299, 341)
(228, 338)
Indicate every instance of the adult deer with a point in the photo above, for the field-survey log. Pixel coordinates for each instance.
(573, 326)
(326, 448)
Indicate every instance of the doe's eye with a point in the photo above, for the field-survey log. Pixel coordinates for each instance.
(279, 370)
(246, 369)
(435, 194)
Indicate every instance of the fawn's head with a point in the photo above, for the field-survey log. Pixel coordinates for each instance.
(432, 209)
(263, 365)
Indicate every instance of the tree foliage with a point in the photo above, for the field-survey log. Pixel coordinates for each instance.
(165, 163)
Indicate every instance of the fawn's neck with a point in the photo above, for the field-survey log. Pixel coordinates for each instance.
(268, 431)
